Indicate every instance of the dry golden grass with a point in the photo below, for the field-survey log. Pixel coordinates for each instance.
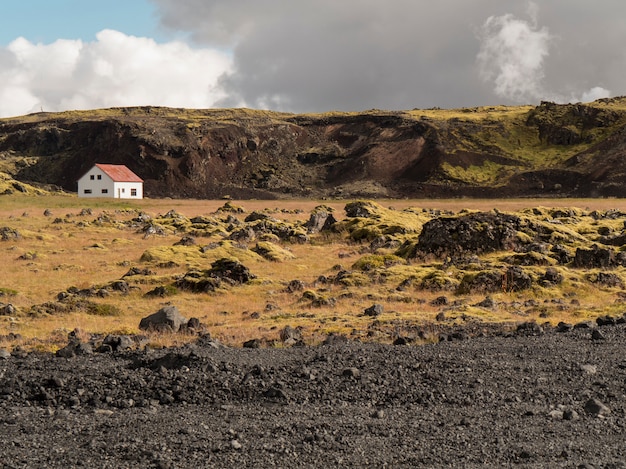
(52, 256)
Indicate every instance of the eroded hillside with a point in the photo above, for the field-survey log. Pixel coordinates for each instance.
(548, 150)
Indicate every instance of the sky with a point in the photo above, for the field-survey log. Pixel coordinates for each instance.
(308, 55)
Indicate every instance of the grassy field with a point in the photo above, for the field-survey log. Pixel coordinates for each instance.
(90, 243)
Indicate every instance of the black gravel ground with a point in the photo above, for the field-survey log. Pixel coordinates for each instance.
(554, 399)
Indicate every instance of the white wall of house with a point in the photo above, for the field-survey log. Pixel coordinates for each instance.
(96, 183)
(128, 190)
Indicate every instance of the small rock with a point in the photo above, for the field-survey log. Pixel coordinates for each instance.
(275, 393)
(606, 321)
(596, 408)
(597, 335)
(525, 455)
(486, 303)
(589, 369)
(570, 414)
(379, 414)
(564, 327)
(68, 351)
(352, 373)
(439, 301)
(529, 328)
(252, 343)
(4, 354)
(556, 414)
(235, 444)
(583, 325)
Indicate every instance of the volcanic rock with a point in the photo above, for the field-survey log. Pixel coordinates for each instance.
(167, 319)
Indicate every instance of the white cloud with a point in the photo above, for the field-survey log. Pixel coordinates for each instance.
(114, 70)
(597, 92)
(513, 56)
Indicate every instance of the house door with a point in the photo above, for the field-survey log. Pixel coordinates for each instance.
(119, 193)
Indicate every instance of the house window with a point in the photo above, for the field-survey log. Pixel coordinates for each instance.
(87, 191)
(123, 190)
(92, 177)
(99, 176)
(105, 191)
(133, 192)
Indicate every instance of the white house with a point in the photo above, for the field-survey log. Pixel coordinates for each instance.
(110, 180)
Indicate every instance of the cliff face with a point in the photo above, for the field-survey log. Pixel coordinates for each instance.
(551, 150)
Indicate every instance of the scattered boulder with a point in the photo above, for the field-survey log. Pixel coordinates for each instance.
(8, 234)
(597, 335)
(256, 216)
(7, 309)
(594, 258)
(353, 373)
(291, 336)
(374, 311)
(186, 241)
(167, 319)
(272, 252)
(439, 301)
(561, 254)
(252, 343)
(321, 219)
(137, 271)
(487, 303)
(74, 348)
(361, 209)
(401, 341)
(162, 291)
(116, 343)
(552, 277)
(606, 320)
(295, 286)
(203, 281)
(608, 279)
(515, 279)
(335, 339)
(529, 328)
(564, 327)
(488, 281)
(231, 270)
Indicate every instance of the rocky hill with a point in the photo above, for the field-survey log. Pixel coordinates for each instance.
(574, 150)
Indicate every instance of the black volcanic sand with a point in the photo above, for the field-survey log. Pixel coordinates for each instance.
(548, 400)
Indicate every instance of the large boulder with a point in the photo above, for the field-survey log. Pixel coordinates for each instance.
(167, 319)
(230, 270)
(321, 219)
(594, 258)
(475, 233)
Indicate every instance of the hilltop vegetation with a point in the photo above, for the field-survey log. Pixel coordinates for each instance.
(573, 150)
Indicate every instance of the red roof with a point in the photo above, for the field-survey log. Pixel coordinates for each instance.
(119, 173)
